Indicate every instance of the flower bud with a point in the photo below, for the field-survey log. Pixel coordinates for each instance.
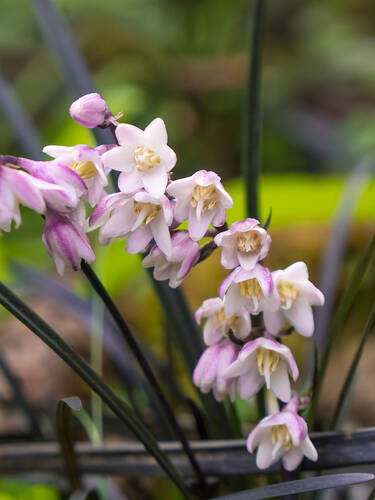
(90, 110)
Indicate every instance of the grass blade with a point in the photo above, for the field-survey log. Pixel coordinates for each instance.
(252, 114)
(345, 391)
(38, 326)
(340, 317)
(64, 434)
(301, 486)
(23, 128)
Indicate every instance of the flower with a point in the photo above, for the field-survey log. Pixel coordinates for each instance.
(65, 239)
(282, 435)
(140, 217)
(18, 187)
(218, 324)
(208, 373)
(90, 110)
(85, 162)
(185, 253)
(248, 290)
(244, 244)
(143, 157)
(264, 360)
(202, 200)
(295, 295)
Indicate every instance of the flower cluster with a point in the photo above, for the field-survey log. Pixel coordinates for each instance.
(147, 209)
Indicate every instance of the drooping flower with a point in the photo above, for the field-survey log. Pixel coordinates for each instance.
(143, 158)
(282, 436)
(140, 217)
(218, 324)
(18, 187)
(185, 253)
(250, 290)
(202, 200)
(87, 163)
(244, 244)
(208, 373)
(90, 110)
(65, 239)
(295, 295)
(264, 361)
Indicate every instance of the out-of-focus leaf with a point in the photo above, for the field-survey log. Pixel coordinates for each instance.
(300, 486)
(345, 391)
(266, 225)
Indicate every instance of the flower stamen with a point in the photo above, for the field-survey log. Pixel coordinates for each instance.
(281, 433)
(145, 158)
(249, 241)
(250, 288)
(207, 196)
(150, 211)
(267, 358)
(85, 169)
(288, 293)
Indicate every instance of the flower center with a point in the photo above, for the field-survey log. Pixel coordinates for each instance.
(207, 196)
(281, 433)
(145, 158)
(150, 211)
(288, 293)
(250, 288)
(220, 319)
(267, 358)
(249, 241)
(85, 169)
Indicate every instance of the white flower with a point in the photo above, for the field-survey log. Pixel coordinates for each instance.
(202, 200)
(295, 295)
(143, 158)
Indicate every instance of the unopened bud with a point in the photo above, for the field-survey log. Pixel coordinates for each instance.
(90, 110)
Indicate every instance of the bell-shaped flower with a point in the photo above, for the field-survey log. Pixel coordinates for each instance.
(208, 373)
(85, 162)
(244, 244)
(250, 290)
(65, 239)
(282, 436)
(143, 158)
(264, 361)
(217, 324)
(69, 186)
(90, 110)
(18, 187)
(140, 217)
(295, 295)
(185, 253)
(202, 200)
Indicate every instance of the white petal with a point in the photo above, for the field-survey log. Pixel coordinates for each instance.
(155, 181)
(292, 459)
(309, 449)
(161, 234)
(273, 321)
(279, 382)
(264, 455)
(301, 317)
(156, 133)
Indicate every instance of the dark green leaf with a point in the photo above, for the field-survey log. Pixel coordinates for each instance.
(266, 225)
(300, 486)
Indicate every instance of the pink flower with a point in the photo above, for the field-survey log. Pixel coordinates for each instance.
(143, 157)
(208, 373)
(247, 289)
(18, 187)
(140, 217)
(244, 244)
(295, 295)
(218, 324)
(87, 163)
(202, 200)
(90, 110)
(264, 361)
(185, 253)
(65, 239)
(282, 436)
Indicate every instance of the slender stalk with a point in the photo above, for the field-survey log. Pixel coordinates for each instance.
(349, 378)
(146, 368)
(96, 358)
(38, 326)
(252, 114)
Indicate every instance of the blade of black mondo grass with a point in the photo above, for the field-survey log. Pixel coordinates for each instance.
(124, 412)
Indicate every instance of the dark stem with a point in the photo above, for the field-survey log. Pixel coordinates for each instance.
(143, 363)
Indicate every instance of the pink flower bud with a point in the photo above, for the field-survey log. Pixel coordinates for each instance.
(90, 110)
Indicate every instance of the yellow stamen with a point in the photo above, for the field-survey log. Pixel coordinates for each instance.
(151, 212)
(288, 293)
(281, 433)
(249, 288)
(267, 357)
(249, 241)
(206, 194)
(85, 169)
(145, 158)
(223, 321)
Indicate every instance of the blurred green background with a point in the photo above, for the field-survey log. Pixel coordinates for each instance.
(187, 61)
